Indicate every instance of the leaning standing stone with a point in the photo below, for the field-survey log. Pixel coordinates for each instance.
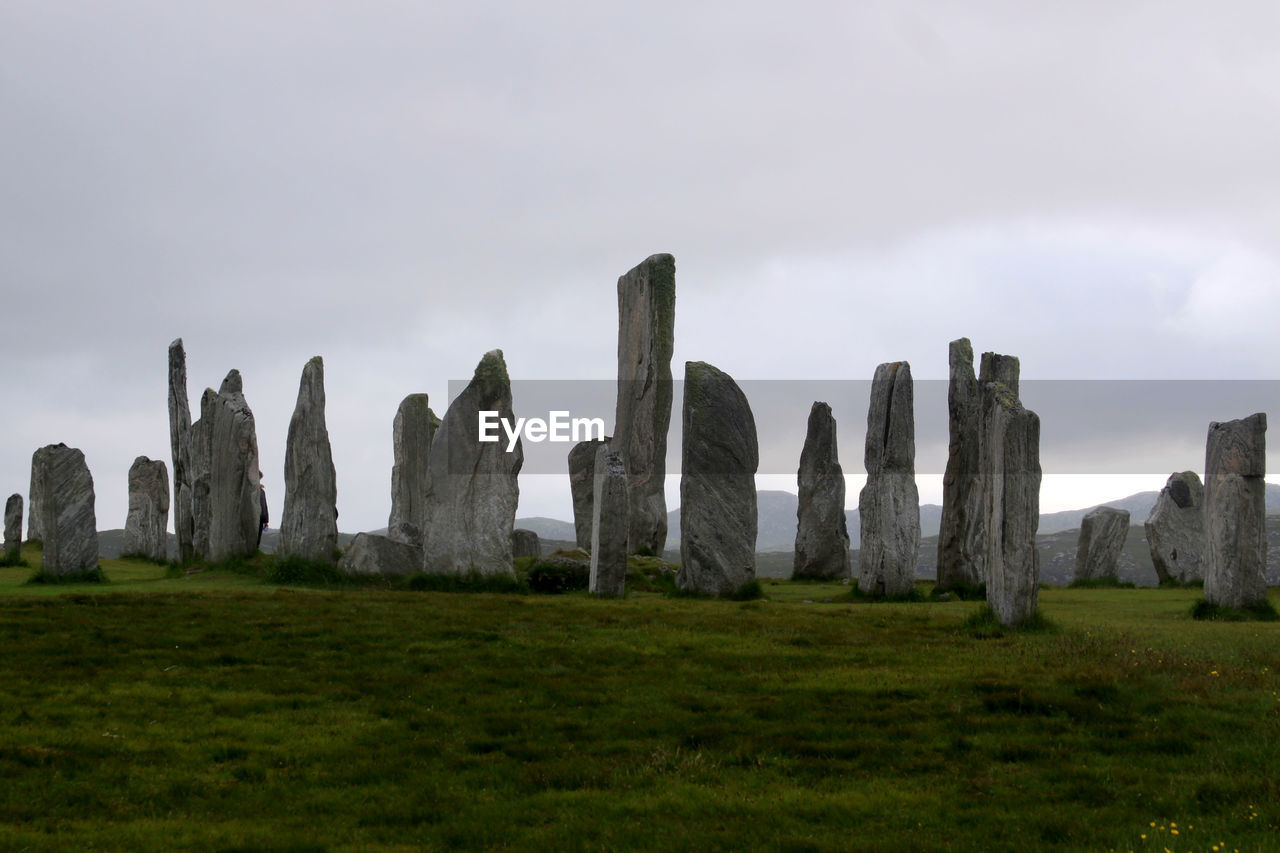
(718, 521)
(822, 538)
(1010, 470)
(959, 533)
(582, 466)
(309, 526)
(889, 504)
(146, 525)
(609, 525)
(1102, 535)
(13, 529)
(1235, 513)
(414, 427)
(1175, 529)
(180, 444)
(68, 520)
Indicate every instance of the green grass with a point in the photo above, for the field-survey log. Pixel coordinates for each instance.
(214, 710)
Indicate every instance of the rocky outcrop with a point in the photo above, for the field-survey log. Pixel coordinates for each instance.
(414, 427)
(1235, 513)
(309, 523)
(371, 554)
(146, 525)
(1175, 529)
(225, 475)
(646, 336)
(525, 543)
(822, 538)
(960, 529)
(582, 466)
(1009, 465)
(180, 445)
(13, 529)
(719, 458)
(889, 504)
(35, 494)
(609, 523)
(68, 520)
(473, 490)
(1102, 535)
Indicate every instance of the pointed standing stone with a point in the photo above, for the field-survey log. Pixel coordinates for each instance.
(146, 526)
(609, 521)
(1235, 513)
(822, 538)
(13, 529)
(1102, 535)
(889, 504)
(646, 336)
(582, 466)
(225, 474)
(309, 525)
(35, 494)
(1009, 460)
(959, 534)
(719, 457)
(412, 431)
(68, 521)
(180, 444)
(1175, 529)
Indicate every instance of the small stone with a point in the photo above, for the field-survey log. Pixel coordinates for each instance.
(68, 521)
(1102, 535)
(582, 462)
(1235, 513)
(146, 525)
(309, 525)
(889, 504)
(609, 525)
(1175, 529)
(525, 543)
(822, 538)
(371, 554)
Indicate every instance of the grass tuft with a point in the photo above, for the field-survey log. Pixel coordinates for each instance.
(470, 582)
(8, 562)
(297, 571)
(1263, 611)
(984, 625)
(92, 576)
(1108, 582)
(913, 595)
(960, 591)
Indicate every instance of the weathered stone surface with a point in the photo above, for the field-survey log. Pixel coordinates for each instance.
(582, 466)
(609, 523)
(1102, 535)
(200, 447)
(13, 528)
(225, 474)
(1004, 369)
(473, 491)
(146, 525)
(414, 427)
(1009, 464)
(68, 521)
(180, 445)
(1175, 529)
(1235, 512)
(646, 337)
(822, 538)
(35, 494)
(371, 554)
(309, 523)
(718, 462)
(889, 504)
(960, 529)
(525, 543)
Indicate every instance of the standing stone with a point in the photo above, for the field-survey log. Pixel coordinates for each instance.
(1009, 464)
(35, 494)
(959, 533)
(180, 444)
(582, 466)
(414, 427)
(889, 504)
(68, 521)
(473, 490)
(200, 447)
(225, 474)
(146, 526)
(525, 543)
(822, 538)
(646, 337)
(718, 462)
(609, 521)
(1235, 513)
(1175, 529)
(1102, 535)
(309, 526)
(13, 529)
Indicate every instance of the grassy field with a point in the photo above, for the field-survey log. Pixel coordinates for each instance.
(212, 711)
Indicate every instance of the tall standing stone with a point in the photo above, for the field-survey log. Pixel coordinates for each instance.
(719, 457)
(13, 529)
(146, 525)
(309, 525)
(412, 431)
(889, 504)
(1235, 512)
(1175, 529)
(180, 444)
(646, 337)
(473, 491)
(1102, 535)
(959, 533)
(35, 494)
(582, 466)
(822, 538)
(225, 474)
(609, 522)
(1009, 456)
(199, 460)
(68, 521)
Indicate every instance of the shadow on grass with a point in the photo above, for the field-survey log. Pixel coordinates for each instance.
(985, 626)
(1263, 611)
(1101, 583)
(749, 591)
(92, 576)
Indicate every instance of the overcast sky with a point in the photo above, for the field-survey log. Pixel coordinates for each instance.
(400, 187)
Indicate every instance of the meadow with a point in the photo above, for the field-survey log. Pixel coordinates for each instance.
(214, 711)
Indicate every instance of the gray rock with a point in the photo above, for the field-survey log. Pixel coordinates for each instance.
(718, 464)
(68, 521)
(822, 538)
(371, 554)
(889, 504)
(473, 490)
(225, 506)
(1175, 529)
(406, 532)
(199, 460)
(609, 524)
(1235, 512)
(180, 445)
(1004, 369)
(414, 427)
(146, 525)
(582, 466)
(525, 543)
(13, 529)
(646, 336)
(960, 528)
(309, 523)
(35, 494)
(1009, 464)
(1102, 535)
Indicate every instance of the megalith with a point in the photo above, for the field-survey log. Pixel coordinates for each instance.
(609, 522)
(1009, 465)
(146, 525)
(582, 466)
(889, 504)
(225, 474)
(1175, 529)
(35, 494)
(1235, 513)
(822, 537)
(1102, 535)
(13, 529)
(718, 462)
(473, 489)
(525, 543)
(68, 521)
(309, 523)
(646, 336)
(959, 533)
(412, 430)
(180, 445)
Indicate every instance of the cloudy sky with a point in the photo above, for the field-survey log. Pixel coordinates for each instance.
(399, 187)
